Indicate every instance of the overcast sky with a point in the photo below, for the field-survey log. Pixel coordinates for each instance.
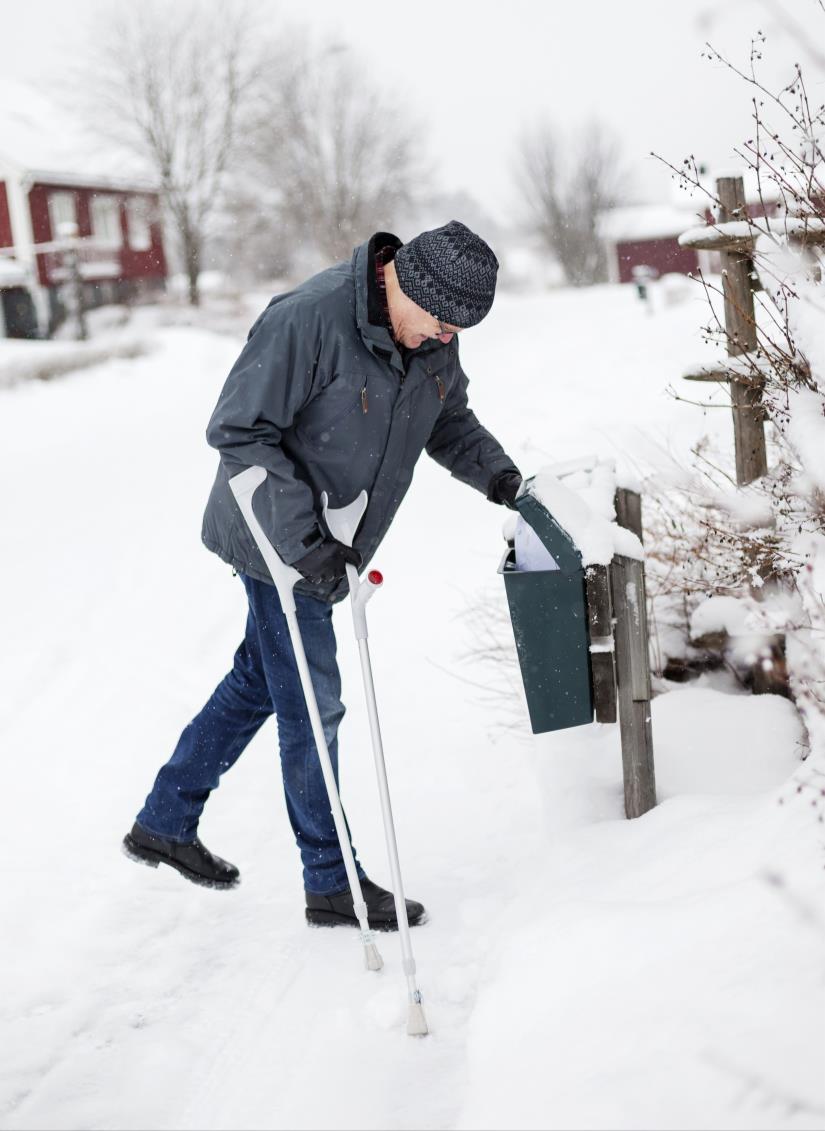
(473, 73)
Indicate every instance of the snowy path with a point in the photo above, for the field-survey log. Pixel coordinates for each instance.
(561, 964)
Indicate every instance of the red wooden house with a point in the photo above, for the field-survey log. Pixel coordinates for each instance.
(643, 236)
(643, 239)
(52, 192)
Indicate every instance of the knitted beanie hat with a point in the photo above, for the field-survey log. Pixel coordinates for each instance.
(450, 272)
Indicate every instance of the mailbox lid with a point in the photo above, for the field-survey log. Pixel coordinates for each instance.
(548, 530)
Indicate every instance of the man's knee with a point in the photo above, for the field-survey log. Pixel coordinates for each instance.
(245, 688)
(295, 728)
(332, 711)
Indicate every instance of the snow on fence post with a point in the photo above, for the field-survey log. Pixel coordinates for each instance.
(627, 587)
(740, 329)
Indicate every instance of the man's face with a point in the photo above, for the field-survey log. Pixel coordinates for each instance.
(413, 325)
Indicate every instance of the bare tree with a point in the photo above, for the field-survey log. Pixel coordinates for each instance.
(566, 184)
(166, 82)
(338, 149)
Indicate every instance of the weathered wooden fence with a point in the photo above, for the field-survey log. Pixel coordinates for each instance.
(619, 653)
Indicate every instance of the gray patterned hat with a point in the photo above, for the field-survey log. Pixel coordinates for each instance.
(450, 272)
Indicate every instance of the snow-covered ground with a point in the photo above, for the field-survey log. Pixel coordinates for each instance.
(579, 970)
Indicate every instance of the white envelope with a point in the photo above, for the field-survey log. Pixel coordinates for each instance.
(531, 553)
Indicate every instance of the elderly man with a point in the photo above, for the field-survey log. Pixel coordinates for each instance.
(343, 382)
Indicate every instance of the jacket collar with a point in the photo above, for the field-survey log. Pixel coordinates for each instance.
(368, 305)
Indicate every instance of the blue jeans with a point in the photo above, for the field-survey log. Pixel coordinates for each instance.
(264, 681)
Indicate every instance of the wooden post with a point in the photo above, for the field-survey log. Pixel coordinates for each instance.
(740, 327)
(736, 248)
(746, 395)
(627, 585)
(76, 291)
(769, 675)
(600, 629)
(628, 506)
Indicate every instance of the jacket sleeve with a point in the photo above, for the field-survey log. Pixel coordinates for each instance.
(462, 445)
(266, 388)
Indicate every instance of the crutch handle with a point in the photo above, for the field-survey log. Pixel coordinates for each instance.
(243, 487)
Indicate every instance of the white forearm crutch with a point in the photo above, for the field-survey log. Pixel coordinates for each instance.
(284, 576)
(343, 523)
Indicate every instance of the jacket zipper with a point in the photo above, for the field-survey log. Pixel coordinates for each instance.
(442, 392)
(365, 404)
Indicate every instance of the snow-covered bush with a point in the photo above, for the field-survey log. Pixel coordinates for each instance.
(766, 541)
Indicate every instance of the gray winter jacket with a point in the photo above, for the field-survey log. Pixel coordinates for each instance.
(322, 398)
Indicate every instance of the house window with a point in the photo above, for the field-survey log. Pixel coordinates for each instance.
(62, 211)
(139, 216)
(105, 213)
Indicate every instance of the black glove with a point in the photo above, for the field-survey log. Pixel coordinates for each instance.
(327, 561)
(504, 487)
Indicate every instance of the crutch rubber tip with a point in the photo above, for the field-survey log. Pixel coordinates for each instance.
(372, 958)
(416, 1021)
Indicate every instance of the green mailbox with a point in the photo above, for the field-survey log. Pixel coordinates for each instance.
(548, 609)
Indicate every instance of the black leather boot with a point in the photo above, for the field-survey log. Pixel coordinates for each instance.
(193, 860)
(337, 910)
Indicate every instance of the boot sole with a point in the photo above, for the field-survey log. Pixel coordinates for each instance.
(318, 918)
(151, 859)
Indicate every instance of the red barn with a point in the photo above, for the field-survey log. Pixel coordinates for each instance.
(644, 238)
(52, 184)
(647, 236)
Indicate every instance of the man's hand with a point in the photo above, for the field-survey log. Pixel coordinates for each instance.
(327, 561)
(504, 487)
